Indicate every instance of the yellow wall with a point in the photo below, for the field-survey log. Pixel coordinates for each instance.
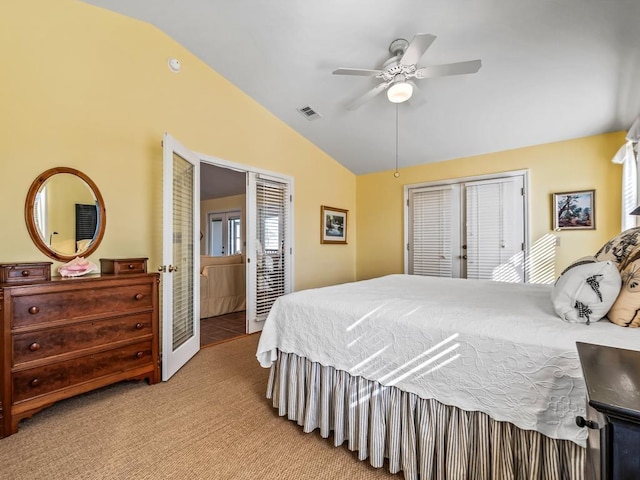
(86, 88)
(579, 164)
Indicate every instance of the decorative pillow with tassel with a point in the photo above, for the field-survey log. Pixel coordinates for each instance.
(586, 290)
(626, 309)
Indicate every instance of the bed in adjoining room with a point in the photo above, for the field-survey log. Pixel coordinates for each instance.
(441, 378)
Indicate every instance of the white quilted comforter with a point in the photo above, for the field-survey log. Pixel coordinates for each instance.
(478, 345)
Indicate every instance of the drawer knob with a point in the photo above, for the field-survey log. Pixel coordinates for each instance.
(139, 354)
(131, 267)
(35, 346)
(139, 325)
(35, 382)
(138, 296)
(583, 422)
(25, 273)
(33, 310)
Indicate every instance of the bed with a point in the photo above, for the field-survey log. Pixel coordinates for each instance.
(439, 378)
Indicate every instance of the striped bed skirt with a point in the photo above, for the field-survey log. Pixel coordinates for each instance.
(423, 438)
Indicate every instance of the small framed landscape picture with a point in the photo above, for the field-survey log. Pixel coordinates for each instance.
(333, 225)
(574, 210)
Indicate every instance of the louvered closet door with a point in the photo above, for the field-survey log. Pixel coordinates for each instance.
(434, 231)
(494, 229)
(269, 246)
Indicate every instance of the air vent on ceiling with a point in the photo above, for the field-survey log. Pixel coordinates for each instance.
(309, 113)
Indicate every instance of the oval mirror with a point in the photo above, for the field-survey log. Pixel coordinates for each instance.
(65, 214)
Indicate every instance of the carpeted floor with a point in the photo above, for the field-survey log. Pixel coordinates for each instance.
(210, 421)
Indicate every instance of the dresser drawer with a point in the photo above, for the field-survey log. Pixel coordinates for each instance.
(55, 341)
(25, 272)
(57, 376)
(123, 265)
(80, 303)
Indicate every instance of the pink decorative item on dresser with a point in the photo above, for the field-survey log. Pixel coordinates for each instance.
(77, 267)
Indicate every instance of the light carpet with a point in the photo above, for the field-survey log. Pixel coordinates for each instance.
(210, 421)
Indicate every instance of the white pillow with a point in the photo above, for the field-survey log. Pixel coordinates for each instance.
(585, 291)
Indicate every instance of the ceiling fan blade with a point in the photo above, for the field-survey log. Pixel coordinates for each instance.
(357, 71)
(368, 96)
(471, 66)
(416, 49)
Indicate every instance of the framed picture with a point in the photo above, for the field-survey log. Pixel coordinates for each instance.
(333, 225)
(574, 210)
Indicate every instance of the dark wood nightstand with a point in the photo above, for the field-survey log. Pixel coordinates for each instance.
(612, 376)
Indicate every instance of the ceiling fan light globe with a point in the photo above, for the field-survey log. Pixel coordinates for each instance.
(400, 92)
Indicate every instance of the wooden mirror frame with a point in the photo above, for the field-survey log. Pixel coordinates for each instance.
(31, 223)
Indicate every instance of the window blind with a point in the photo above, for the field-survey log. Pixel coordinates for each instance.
(430, 221)
(272, 225)
(86, 221)
(494, 229)
(183, 244)
(471, 228)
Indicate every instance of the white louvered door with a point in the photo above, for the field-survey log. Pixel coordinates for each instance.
(470, 228)
(494, 229)
(434, 236)
(269, 249)
(180, 277)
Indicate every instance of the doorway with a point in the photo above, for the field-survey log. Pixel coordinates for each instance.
(188, 294)
(222, 236)
(264, 263)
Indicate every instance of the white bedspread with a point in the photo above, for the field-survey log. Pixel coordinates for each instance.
(478, 345)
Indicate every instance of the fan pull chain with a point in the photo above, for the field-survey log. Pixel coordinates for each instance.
(396, 173)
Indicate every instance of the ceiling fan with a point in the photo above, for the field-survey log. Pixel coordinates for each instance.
(399, 71)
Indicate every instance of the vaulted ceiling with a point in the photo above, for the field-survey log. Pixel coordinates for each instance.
(551, 69)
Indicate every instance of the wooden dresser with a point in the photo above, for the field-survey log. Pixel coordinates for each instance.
(66, 336)
(612, 376)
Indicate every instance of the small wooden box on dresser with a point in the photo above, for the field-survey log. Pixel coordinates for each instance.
(612, 377)
(65, 336)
